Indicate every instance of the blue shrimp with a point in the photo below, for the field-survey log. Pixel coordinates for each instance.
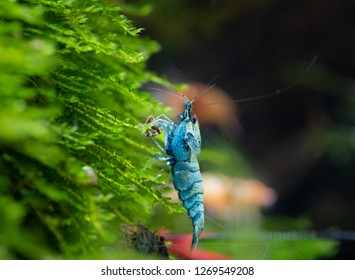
(182, 145)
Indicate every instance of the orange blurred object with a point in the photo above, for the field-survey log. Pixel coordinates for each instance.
(225, 197)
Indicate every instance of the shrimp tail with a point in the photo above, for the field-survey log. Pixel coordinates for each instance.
(198, 224)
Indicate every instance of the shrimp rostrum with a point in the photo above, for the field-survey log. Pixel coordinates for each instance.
(182, 145)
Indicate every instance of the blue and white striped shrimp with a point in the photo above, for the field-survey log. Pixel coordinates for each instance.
(182, 145)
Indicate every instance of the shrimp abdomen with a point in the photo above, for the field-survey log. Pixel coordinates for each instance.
(187, 181)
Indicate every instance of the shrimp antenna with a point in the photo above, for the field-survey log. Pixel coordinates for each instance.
(183, 96)
(215, 222)
(210, 85)
(276, 92)
(173, 92)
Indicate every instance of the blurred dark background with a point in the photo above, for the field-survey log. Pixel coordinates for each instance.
(302, 142)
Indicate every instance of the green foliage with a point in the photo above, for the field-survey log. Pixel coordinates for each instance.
(71, 160)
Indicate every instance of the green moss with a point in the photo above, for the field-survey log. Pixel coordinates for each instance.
(71, 160)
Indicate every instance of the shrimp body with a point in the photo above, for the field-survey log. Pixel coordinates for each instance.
(182, 146)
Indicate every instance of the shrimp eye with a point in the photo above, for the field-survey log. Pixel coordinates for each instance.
(193, 118)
